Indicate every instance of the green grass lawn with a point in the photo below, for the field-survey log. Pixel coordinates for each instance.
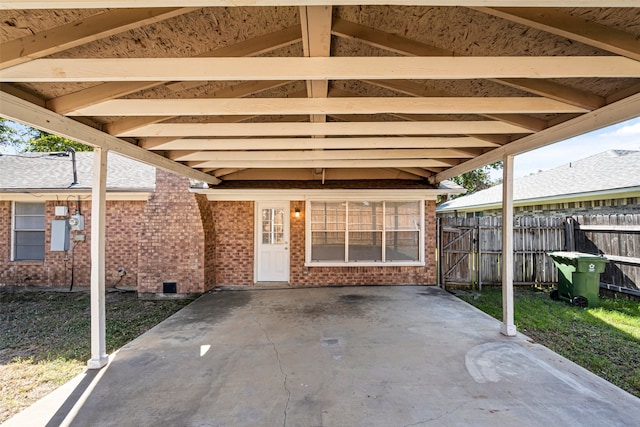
(45, 338)
(604, 340)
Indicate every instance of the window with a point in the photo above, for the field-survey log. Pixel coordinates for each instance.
(365, 232)
(28, 231)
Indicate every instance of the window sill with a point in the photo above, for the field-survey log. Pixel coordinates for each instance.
(364, 264)
(26, 262)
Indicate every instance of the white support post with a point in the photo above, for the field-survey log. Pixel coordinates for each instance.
(98, 219)
(508, 327)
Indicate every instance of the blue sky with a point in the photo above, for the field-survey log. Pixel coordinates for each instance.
(623, 136)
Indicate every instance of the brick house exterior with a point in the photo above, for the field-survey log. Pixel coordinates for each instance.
(194, 239)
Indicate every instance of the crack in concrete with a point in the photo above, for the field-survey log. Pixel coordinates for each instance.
(284, 385)
(451, 411)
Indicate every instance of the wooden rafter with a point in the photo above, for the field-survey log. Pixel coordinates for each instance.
(80, 32)
(111, 90)
(240, 90)
(558, 22)
(333, 68)
(414, 89)
(407, 46)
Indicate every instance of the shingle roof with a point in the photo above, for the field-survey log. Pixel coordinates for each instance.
(608, 171)
(43, 171)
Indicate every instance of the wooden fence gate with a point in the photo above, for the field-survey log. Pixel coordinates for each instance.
(470, 250)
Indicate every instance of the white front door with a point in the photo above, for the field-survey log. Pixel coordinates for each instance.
(272, 242)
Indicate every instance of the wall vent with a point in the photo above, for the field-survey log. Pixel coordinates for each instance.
(169, 287)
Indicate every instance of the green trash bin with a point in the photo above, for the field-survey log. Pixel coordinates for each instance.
(578, 277)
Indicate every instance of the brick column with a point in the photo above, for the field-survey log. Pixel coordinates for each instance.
(177, 242)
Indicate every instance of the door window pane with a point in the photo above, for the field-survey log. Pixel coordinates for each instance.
(273, 226)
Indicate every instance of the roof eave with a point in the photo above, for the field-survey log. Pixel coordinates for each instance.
(591, 195)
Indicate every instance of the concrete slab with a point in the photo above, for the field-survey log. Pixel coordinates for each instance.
(365, 356)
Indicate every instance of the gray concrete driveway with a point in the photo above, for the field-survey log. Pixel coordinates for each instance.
(365, 356)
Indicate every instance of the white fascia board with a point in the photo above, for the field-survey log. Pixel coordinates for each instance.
(617, 193)
(316, 194)
(43, 195)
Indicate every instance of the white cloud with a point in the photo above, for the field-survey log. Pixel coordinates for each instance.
(628, 130)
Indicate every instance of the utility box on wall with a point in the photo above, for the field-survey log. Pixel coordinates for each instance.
(59, 235)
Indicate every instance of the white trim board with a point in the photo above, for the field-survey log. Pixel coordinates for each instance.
(328, 194)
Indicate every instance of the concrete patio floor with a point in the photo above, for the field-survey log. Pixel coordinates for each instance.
(358, 356)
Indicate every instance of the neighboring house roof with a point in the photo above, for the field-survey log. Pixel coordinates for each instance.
(609, 172)
(47, 171)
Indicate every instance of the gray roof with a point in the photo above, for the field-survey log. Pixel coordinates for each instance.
(609, 171)
(43, 171)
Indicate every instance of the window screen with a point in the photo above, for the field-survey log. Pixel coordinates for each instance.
(29, 231)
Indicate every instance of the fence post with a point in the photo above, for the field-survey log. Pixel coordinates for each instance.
(439, 246)
(569, 234)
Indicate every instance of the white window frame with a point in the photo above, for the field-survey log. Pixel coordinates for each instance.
(13, 232)
(346, 262)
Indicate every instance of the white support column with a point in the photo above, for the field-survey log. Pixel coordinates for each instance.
(98, 219)
(508, 327)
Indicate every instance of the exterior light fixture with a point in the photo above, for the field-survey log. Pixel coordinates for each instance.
(296, 213)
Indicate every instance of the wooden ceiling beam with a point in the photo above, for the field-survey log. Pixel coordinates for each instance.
(97, 4)
(330, 128)
(112, 90)
(331, 68)
(80, 32)
(314, 143)
(411, 47)
(295, 155)
(315, 22)
(354, 105)
(355, 163)
(240, 90)
(560, 23)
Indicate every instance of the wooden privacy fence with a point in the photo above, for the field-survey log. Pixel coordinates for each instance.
(615, 236)
(470, 250)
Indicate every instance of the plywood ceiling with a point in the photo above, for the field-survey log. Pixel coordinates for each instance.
(282, 92)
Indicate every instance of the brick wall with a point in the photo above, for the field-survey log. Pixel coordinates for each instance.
(234, 244)
(123, 219)
(234, 222)
(175, 239)
(306, 276)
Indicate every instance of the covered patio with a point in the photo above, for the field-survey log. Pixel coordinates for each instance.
(349, 356)
(222, 91)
